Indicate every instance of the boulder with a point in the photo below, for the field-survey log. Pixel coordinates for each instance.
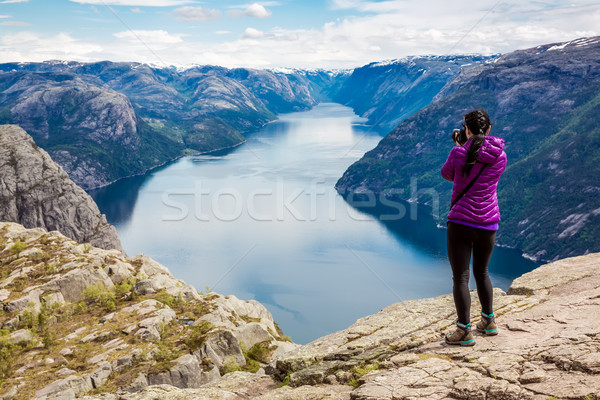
(151, 327)
(73, 283)
(30, 301)
(221, 348)
(186, 374)
(251, 334)
(22, 337)
(71, 384)
(100, 375)
(118, 270)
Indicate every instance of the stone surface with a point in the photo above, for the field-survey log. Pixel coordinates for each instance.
(36, 192)
(100, 376)
(251, 334)
(22, 337)
(222, 348)
(187, 373)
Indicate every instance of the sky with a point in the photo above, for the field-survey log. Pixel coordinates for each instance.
(328, 34)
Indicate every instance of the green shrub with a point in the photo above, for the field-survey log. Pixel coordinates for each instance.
(50, 269)
(48, 338)
(167, 298)
(165, 351)
(6, 355)
(359, 371)
(197, 335)
(101, 295)
(229, 366)
(17, 247)
(260, 352)
(28, 320)
(123, 287)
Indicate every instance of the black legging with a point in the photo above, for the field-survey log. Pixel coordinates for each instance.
(460, 240)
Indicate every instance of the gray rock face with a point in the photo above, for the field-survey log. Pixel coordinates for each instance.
(36, 192)
(251, 334)
(222, 348)
(95, 110)
(187, 373)
(22, 337)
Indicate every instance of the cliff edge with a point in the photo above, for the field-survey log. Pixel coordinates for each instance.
(37, 193)
(79, 320)
(82, 322)
(548, 348)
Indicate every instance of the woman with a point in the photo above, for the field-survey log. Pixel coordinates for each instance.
(473, 221)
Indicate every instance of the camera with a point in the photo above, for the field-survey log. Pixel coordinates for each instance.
(459, 136)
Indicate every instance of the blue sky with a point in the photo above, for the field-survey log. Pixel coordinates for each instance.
(282, 33)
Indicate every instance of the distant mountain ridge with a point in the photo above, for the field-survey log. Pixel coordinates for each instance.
(390, 91)
(545, 103)
(105, 120)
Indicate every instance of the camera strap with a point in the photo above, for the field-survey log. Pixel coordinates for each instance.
(466, 189)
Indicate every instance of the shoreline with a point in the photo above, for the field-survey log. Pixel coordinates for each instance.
(195, 153)
(442, 226)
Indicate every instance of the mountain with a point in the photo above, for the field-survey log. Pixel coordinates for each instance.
(36, 192)
(103, 121)
(388, 92)
(545, 103)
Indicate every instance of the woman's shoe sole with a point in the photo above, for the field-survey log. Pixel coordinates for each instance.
(486, 333)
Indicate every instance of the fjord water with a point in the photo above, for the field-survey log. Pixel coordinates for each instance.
(263, 221)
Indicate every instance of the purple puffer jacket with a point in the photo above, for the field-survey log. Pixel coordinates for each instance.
(480, 204)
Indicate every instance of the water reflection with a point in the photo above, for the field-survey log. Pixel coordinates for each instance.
(264, 222)
(505, 264)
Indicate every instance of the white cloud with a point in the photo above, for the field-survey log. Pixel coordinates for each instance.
(253, 10)
(28, 46)
(15, 23)
(13, 1)
(257, 11)
(5, 16)
(150, 37)
(133, 3)
(427, 27)
(195, 14)
(252, 33)
(369, 6)
(136, 10)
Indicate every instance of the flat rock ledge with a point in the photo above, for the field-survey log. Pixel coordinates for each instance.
(548, 348)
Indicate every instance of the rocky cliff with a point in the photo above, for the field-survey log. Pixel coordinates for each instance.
(77, 319)
(548, 348)
(388, 92)
(544, 102)
(36, 192)
(104, 121)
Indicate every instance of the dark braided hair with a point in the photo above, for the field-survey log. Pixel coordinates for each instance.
(478, 122)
